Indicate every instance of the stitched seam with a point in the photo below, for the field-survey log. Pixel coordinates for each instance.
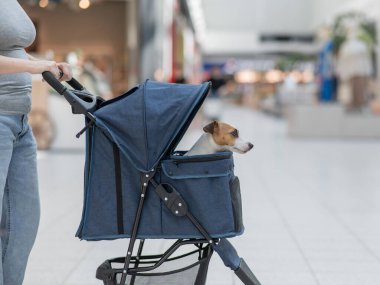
(8, 225)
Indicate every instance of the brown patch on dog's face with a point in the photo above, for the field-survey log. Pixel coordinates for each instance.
(222, 133)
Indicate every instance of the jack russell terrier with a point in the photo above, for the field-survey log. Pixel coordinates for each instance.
(219, 136)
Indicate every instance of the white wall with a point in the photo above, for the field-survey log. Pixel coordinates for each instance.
(235, 26)
(290, 16)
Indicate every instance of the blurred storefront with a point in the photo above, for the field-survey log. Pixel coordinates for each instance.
(125, 41)
(94, 37)
(169, 47)
(89, 38)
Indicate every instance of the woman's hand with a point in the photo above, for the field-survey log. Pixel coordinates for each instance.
(39, 66)
(66, 73)
(62, 71)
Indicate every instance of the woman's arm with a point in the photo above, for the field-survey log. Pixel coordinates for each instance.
(17, 65)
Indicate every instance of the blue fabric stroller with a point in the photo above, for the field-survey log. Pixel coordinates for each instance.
(138, 187)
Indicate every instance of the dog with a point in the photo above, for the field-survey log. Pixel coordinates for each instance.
(219, 136)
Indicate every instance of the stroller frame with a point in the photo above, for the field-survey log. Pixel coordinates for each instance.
(84, 103)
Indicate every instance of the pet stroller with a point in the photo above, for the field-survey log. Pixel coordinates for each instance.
(138, 187)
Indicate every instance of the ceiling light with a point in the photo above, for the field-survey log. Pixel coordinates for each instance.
(43, 3)
(274, 76)
(246, 76)
(84, 4)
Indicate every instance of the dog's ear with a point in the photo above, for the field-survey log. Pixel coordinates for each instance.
(210, 128)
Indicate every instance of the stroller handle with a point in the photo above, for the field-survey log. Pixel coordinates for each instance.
(57, 85)
(75, 84)
(80, 101)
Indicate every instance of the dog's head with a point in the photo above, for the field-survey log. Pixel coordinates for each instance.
(227, 137)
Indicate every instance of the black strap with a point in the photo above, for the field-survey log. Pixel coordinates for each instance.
(119, 196)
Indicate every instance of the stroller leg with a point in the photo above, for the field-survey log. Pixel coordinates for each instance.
(231, 259)
(245, 274)
(145, 179)
(139, 252)
(132, 240)
(202, 273)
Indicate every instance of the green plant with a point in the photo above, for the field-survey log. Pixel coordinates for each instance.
(367, 30)
(292, 60)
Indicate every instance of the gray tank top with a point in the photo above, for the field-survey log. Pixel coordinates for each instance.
(16, 33)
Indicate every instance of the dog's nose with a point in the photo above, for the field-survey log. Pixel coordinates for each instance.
(250, 145)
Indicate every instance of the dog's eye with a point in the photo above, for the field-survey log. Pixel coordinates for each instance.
(235, 133)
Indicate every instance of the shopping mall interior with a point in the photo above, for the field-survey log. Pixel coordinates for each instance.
(299, 79)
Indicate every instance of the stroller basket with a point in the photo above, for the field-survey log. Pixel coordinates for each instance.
(188, 268)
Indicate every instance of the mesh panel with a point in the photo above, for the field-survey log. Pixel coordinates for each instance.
(185, 269)
(186, 277)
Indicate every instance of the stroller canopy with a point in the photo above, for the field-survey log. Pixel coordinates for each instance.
(149, 120)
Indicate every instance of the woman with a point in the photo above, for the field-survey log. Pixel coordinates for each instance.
(19, 199)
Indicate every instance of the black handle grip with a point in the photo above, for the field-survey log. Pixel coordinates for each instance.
(57, 85)
(75, 84)
(53, 82)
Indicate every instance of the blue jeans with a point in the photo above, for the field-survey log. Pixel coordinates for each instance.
(20, 205)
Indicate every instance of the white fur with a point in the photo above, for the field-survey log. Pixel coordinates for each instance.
(204, 145)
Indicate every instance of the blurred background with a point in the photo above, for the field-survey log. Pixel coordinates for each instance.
(312, 63)
(299, 79)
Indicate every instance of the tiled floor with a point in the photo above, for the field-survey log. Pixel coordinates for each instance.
(311, 210)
